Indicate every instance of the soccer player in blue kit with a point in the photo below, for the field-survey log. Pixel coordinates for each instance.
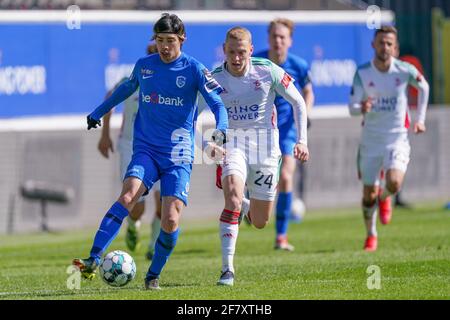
(163, 140)
(280, 40)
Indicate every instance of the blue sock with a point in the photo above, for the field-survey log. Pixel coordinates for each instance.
(109, 228)
(284, 205)
(163, 248)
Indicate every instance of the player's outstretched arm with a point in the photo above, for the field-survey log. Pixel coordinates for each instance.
(126, 89)
(423, 89)
(284, 86)
(295, 99)
(122, 92)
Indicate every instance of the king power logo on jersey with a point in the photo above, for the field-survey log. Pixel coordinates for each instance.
(381, 104)
(159, 99)
(237, 113)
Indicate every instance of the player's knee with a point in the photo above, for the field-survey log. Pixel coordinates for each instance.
(393, 186)
(170, 224)
(127, 200)
(285, 176)
(369, 199)
(233, 202)
(260, 224)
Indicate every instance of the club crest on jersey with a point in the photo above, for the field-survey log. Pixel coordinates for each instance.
(181, 81)
(257, 84)
(286, 80)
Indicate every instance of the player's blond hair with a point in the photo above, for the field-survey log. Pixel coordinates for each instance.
(283, 21)
(239, 33)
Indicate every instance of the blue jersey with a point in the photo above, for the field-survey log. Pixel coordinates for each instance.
(165, 122)
(299, 70)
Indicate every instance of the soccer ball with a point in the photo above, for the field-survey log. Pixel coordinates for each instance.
(117, 268)
(298, 210)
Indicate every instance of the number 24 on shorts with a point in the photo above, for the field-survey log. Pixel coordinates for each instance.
(264, 179)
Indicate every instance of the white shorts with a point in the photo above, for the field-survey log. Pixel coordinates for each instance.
(261, 177)
(125, 148)
(390, 152)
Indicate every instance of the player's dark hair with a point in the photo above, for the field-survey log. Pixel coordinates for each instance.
(169, 23)
(386, 29)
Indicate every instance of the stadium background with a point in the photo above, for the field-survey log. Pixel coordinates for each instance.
(53, 73)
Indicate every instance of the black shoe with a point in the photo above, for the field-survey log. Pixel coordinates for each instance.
(226, 279)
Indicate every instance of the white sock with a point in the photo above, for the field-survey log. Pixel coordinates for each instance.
(133, 224)
(228, 237)
(370, 219)
(156, 227)
(245, 206)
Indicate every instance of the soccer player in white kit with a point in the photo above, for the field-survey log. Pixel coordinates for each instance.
(125, 148)
(252, 155)
(379, 93)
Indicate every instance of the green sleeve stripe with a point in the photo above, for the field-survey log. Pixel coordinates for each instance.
(217, 70)
(412, 71)
(261, 61)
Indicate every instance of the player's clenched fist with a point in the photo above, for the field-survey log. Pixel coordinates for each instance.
(419, 127)
(366, 105)
(301, 152)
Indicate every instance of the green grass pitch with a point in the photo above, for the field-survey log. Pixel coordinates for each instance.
(329, 263)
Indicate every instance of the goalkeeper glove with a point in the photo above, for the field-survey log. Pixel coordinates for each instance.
(92, 123)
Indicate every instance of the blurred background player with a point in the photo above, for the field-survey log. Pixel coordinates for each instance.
(125, 148)
(379, 93)
(168, 84)
(280, 40)
(250, 86)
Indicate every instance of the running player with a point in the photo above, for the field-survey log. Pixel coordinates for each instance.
(125, 148)
(163, 140)
(252, 155)
(280, 40)
(379, 93)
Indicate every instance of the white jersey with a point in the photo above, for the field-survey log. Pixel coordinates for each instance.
(130, 110)
(388, 93)
(249, 99)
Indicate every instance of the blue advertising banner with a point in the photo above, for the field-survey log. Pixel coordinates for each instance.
(49, 69)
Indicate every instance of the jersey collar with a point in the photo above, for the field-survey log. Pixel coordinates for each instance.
(247, 71)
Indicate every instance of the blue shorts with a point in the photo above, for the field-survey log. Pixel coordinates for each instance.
(288, 137)
(174, 179)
